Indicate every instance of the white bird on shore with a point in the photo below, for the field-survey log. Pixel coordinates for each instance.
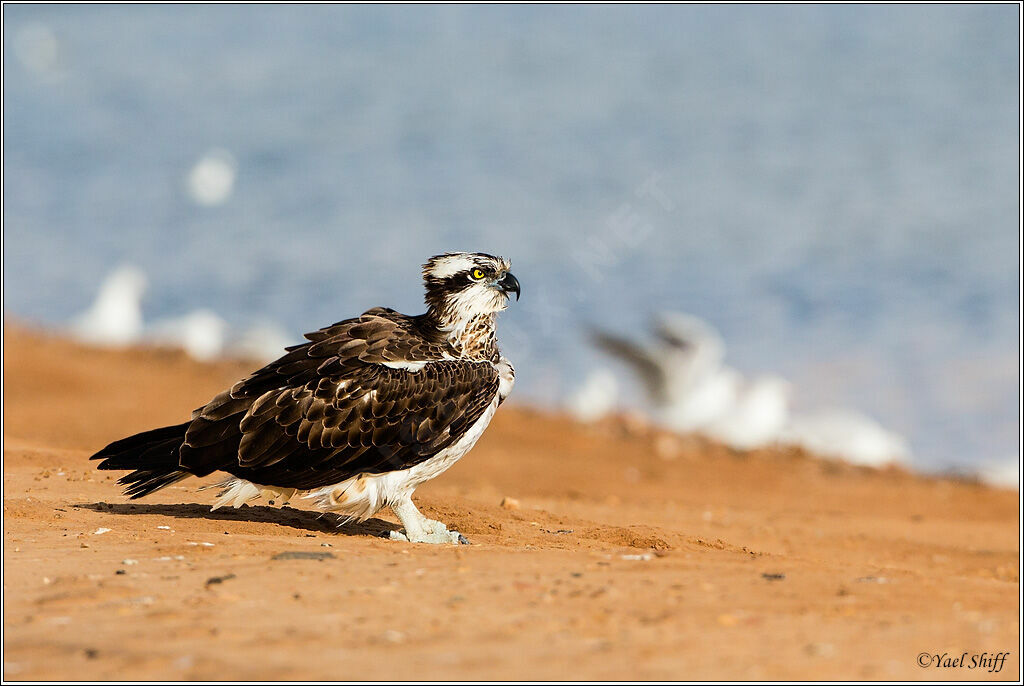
(682, 371)
(848, 435)
(692, 390)
(115, 316)
(757, 416)
(595, 398)
(262, 341)
(201, 333)
(1004, 474)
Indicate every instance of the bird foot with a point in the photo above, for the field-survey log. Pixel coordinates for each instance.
(433, 532)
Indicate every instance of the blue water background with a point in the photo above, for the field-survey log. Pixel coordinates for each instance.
(837, 187)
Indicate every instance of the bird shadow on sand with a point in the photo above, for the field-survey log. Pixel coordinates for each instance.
(305, 520)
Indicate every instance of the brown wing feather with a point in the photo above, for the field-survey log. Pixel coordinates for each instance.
(330, 409)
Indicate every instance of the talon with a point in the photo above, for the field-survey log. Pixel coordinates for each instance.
(396, 536)
(462, 540)
(432, 526)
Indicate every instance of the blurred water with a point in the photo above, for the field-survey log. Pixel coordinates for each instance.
(835, 188)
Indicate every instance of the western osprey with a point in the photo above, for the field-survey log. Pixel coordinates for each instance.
(357, 417)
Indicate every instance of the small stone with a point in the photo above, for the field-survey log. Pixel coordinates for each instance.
(509, 503)
(218, 579)
(668, 446)
(635, 424)
(392, 636)
(820, 649)
(303, 555)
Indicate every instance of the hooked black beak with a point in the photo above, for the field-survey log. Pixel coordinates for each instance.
(509, 284)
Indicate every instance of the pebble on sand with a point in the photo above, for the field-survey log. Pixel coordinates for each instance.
(303, 555)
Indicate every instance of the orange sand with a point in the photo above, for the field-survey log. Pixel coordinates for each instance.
(632, 555)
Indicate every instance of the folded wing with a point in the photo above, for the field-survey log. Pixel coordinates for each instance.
(363, 396)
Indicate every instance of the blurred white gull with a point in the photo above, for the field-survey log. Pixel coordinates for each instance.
(37, 48)
(115, 317)
(682, 371)
(212, 179)
(263, 341)
(848, 435)
(692, 390)
(1004, 474)
(201, 333)
(757, 416)
(595, 398)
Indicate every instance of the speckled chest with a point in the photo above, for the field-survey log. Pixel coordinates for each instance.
(476, 340)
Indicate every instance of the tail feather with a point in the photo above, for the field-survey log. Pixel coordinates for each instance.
(153, 455)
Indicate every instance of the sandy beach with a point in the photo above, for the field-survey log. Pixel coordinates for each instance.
(626, 554)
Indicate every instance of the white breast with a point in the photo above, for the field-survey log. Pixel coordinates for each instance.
(428, 469)
(361, 496)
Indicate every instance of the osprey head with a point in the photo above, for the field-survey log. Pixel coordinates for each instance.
(462, 285)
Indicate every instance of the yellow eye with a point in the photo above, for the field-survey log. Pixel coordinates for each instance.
(477, 274)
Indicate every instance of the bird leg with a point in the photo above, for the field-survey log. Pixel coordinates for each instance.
(419, 529)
